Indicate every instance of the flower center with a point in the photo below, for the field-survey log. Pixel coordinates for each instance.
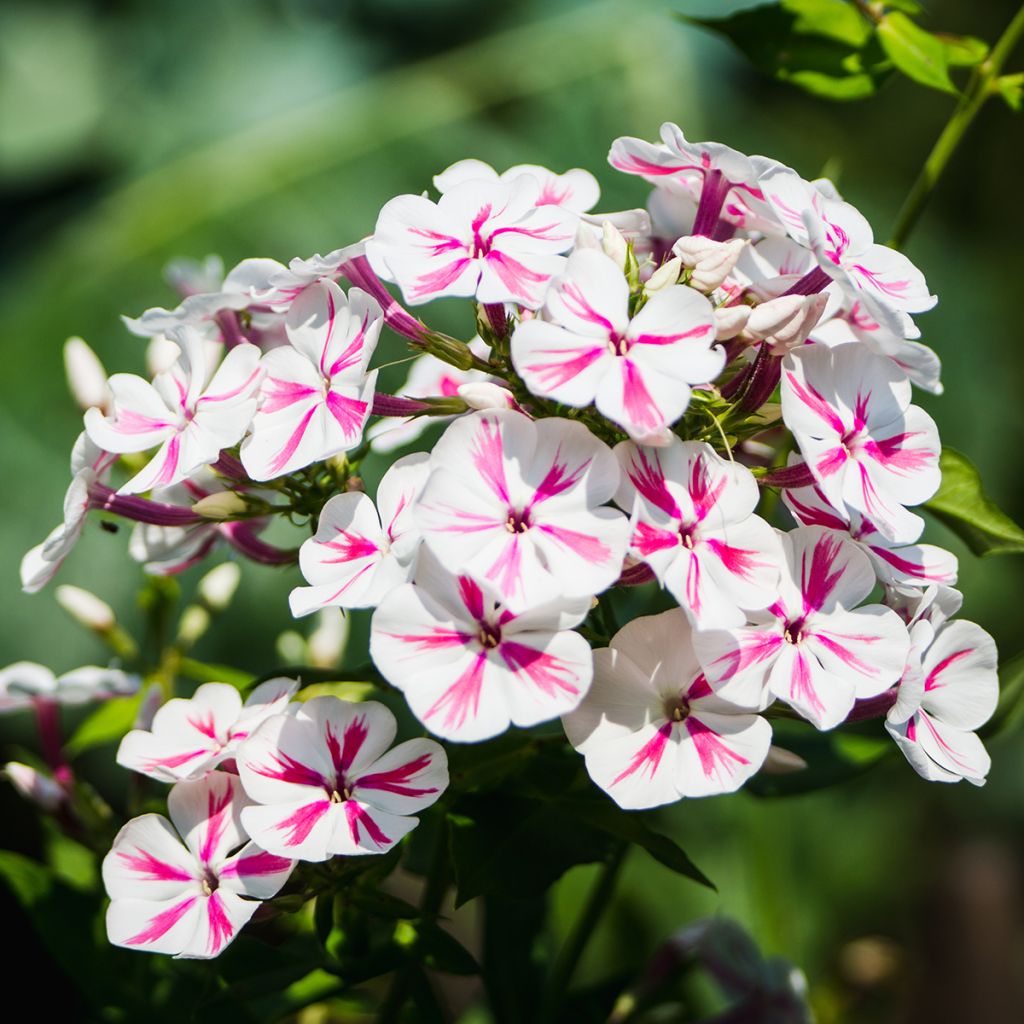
(518, 520)
(794, 632)
(341, 792)
(677, 709)
(489, 636)
(686, 537)
(617, 345)
(210, 882)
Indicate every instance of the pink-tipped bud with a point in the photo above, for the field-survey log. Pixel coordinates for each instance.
(785, 322)
(483, 395)
(730, 321)
(34, 786)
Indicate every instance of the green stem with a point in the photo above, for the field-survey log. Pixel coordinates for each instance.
(569, 955)
(430, 905)
(978, 90)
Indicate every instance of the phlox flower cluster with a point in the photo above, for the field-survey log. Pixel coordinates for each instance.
(641, 386)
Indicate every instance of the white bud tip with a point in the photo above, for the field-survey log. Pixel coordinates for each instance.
(86, 608)
(218, 586)
(222, 505)
(87, 379)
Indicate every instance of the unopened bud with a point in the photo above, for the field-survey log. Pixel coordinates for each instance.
(218, 586)
(710, 263)
(152, 699)
(86, 608)
(161, 354)
(484, 395)
(660, 438)
(87, 380)
(327, 642)
(614, 244)
(220, 506)
(34, 786)
(782, 762)
(730, 321)
(665, 276)
(291, 648)
(785, 322)
(194, 622)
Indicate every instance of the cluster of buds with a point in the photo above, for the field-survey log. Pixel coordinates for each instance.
(642, 385)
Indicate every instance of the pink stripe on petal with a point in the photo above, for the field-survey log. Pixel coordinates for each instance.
(216, 822)
(506, 570)
(280, 394)
(488, 454)
(154, 870)
(549, 674)
(555, 374)
(352, 740)
(170, 464)
(578, 305)
(302, 822)
(129, 422)
(281, 459)
(593, 549)
(703, 493)
(672, 339)
(162, 923)
(918, 570)
(461, 700)
(649, 756)
(261, 863)
(397, 780)
(817, 404)
(647, 477)
(751, 651)
(932, 682)
(436, 640)
(357, 817)
(174, 760)
(288, 769)
(648, 539)
(226, 396)
(801, 688)
(350, 413)
(514, 275)
(846, 656)
(715, 757)
(558, 479)
(351, 548)
(472, 597)
(738, 561)
(352, 353)
(438, 280)
(640, 407)
(331, 318)
(221, 929)
(820, 578)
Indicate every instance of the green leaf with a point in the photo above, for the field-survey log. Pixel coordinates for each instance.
(907, 6)
(1011, 88)
(381, 904)
(107, 724)
(631, 827)
(833, 19)
(963, 51)
(969, 512)
(917, 53)
(205, 672)
(807, 43)
(1009, 713)
(430, 945)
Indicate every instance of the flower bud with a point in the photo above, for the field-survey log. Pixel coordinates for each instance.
(730, 321)
(785, 322)
(151, 702)
(614, 244)
(665, 276)
(161, 354)
(218, 586)
(34, 786)
(86, 608)
(484, 395)
(327, 642)
(222, 505)
(782, 762)
(87, 380)
(194, 622)
(710, 262)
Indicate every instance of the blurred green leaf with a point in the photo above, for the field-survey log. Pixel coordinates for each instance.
(969, 512)
(381, 904)
(430, 945)
(107, 724)
(907, 6)
(963, 51)
(203, 672)
(1009, 713)
(833, 19)
(1011, 88)
(917, 53)
(793, 47)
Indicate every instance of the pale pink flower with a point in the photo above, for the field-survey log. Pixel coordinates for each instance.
(360, 552)
(190, 898)
(317, 391)
(190, 738)
(653, 730)
(193, 411)
(468, 666)
(576, 189)
(694, 525)
(896, 565)
(884, 280)
(35, 786)
(327, 785)
(25, 684)
(636, 370)
(950, 689)
(517, 505)
(486, 239)
(866, 445)
(813, 648)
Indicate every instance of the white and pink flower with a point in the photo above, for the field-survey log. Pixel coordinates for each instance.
(653, 730)
(487, 239)
(518, 506)
(576, 189)
(950, 689)
(360, 552)
(866, 445)
(190, 898)
(636, 370)
(814, 647)
(468, 666)
(325, 783)
(192, 411)
(317, 392)
(694, 525)
(190, 738)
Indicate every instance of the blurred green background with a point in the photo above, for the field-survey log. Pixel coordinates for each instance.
(133, 132)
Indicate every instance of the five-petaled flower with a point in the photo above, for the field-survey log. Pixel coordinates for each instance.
(190, 899)
(518, 506)
(653, 730)
(468, 666)
(325, 783)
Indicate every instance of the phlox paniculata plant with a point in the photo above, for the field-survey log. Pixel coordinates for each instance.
(592, 549)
